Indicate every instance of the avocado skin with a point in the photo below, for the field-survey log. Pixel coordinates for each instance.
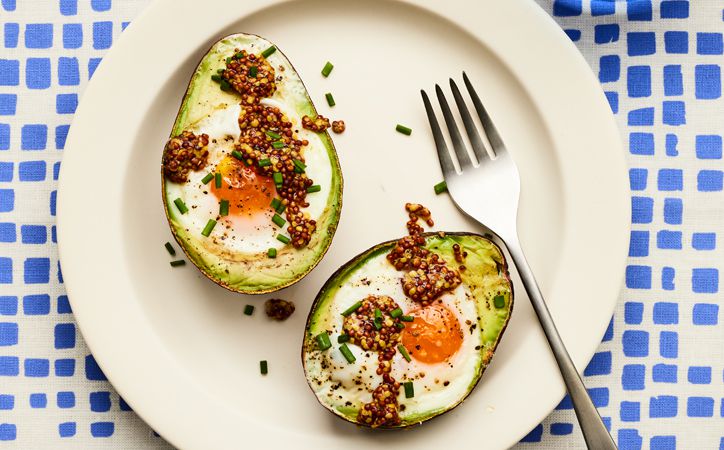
(220, 276)
(349, 267)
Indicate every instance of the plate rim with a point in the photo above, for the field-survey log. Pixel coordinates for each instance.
(97, 337)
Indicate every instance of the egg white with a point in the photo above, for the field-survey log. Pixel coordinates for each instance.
(341, 383)
(248, 234)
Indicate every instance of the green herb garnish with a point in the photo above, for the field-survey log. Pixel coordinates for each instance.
(327, 69)
(181, 206)
(209, 227)
(323, 341)
(403, 129)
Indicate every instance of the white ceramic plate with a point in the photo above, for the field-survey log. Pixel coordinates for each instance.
(179, 349)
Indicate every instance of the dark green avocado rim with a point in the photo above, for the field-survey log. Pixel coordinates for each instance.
(374, 251)
(331, 230)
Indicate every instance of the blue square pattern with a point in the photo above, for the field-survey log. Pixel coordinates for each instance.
(699, 375)
(630, 411)
(534, 435)
(9, 72)
(705, 280)
(709, 180)
(68, 72)
(671, 240)
(66, 103)
(8, 104)
(38, 400)
(8, 334)
(600, 364)
(567, 8)
(102, 429)
(36, 367)
(609, 68)
(674, 113)
(606, 33)
(639, 10)
(6, 269)
(666, 313)
(7, 232)
(633, 313)
(34, 234)
(64, 335)
(633, 377)
(707, 81)
(37, 270)
(63, 305)
(33, 137)
(573, 34)
(642, 209)
(612, 98)
(662, 443)
(102, 35)
(8, 432)
(635, 343)
(39, 35)
(664, 373)
(641, 117)
(638, 179)
(667, 278)
(6, 171)
(61, 133)
(101, 5)
(8, 305)
(100, 401)
(674, 9)
(67, 429)
(703, 241)
(709, 44)
(641, 43)
(639, 244)
(4, 134)
(669, 344)
(673, 211)
(671, 180)
(92, 370)
(37, 73)
(31, 171)
(638, 81)
(638, 277)
(602, 7)
(673, 80)
(36, 305)
(663, 406)
(72, 35)
(629, 439)
(641, 143)
(69, 7)
(705, 314)
(64, 367)
(561, 429)
(709, 146)
(676, 42)
(700, 407)
(11, 32)
(7, 401)
(65, 399)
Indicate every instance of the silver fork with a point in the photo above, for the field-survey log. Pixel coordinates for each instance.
(496, 179)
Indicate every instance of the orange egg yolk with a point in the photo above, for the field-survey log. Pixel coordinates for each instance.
(248, 192)
(434, 335)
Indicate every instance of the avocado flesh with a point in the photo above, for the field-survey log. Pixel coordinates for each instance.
(485, 278)
(254, 273)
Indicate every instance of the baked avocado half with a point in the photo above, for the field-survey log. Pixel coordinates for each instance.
(377, 352)
(252, 197)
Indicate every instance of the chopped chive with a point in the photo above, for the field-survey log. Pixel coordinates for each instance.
(220, 71)
(409, 389)
(330, 99)
(407, 318)
(347, 353)
(248, 310)
(170, 249)
(403, 352)
(299, 165)
(272, 253)
(278, 220)
(266, 53)
(314, 188)
(276, 203)
(264, 162)
(224, 208)
(225, 86)
(181, 206)
(440, 187)
(281, 208)
(278, 178)
(209, 227)
(278, 144)
(207, 178)
(239, 55)
(178, 263)
(400, 325)
(378, 313)
(351, 309)
(264, 367)
(284, 239)
(217, 180)
(323, 341)
(216, 77)
(253, 71)
(342, 338)
(395, 313)
(237, 154)
(377, 323)
(228, 60)
(403, 129)
(327, 69)
(499, 301)
(273, 135)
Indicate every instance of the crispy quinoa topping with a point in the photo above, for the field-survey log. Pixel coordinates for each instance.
(278, 309)
(373, 328)
(183, 153)
(250, 75)
(338, 126)
(318, 124)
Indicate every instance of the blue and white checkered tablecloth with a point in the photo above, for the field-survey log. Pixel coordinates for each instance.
(658, 377)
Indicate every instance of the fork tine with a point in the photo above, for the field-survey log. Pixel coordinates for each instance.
(493, 136)
(457, 140)
(477, 143)
(443, 155)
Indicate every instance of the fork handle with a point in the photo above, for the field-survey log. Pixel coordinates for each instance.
(594, 431)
